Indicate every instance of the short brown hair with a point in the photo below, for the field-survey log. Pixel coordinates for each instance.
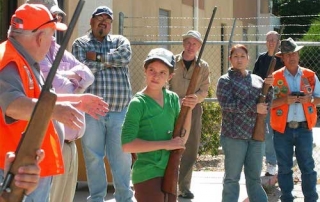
(234, 47)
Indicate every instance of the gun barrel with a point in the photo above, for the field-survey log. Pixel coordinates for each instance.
(36, 129)
(170, 179)
(259, 129)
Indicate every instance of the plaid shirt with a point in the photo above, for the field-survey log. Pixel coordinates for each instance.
(238, 97)
(111, 83)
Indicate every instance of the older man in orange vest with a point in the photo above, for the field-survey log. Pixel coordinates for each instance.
(293, 114)
(30, 35)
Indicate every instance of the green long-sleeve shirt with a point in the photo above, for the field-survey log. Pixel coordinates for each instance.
(147, 120)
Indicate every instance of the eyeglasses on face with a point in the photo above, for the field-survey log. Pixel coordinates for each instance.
(101, 18)
(50, 21)
(59, 17)
(272, 40)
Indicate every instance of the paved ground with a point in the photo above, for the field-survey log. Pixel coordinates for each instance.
(207, 186)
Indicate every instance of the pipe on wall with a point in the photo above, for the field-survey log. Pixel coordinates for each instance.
(195, 14)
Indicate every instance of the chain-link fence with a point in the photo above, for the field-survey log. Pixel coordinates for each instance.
(215, 53)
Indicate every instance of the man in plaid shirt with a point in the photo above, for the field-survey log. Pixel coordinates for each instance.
(108, 57)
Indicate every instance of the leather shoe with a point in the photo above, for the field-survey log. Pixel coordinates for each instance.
(187, 195)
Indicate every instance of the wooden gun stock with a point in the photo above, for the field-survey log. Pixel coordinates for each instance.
(30, 142)
(170, 179)
(260, 127)
(36, 129)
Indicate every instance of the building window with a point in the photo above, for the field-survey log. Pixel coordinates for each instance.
(7, 9)
(245, 35)
(59, 35)
(164, 26)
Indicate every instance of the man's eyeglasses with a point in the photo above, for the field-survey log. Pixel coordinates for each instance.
(105, 19)
(50, 21)
(58, 16)
(272, 40)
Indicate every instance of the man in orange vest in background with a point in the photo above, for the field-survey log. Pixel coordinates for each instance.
(293, 115)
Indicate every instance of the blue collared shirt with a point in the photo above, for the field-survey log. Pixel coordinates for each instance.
(296, 112)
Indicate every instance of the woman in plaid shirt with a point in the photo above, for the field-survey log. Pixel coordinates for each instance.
(238, 92)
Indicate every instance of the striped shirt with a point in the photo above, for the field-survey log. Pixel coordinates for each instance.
(238, 97)
(112, 81)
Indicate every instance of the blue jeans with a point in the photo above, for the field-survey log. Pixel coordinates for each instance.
(41, 193)
(103, 138)
(270, 153)
(242, 153)
(301, 139)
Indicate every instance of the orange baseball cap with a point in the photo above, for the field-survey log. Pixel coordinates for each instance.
(33, 17)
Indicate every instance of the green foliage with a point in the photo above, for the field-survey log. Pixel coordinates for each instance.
(292, 8)
(309, 54)
(313, 32)
(211, 123)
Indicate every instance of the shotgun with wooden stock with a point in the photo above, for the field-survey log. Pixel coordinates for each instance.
(170, 179)
(259, 127)
(34, 134)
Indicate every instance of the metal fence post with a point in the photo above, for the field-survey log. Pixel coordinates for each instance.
(121, 23)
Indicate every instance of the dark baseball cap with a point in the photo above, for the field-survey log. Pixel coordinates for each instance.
(103, 10)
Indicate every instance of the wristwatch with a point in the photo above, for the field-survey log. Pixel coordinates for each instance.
(312, 99)
(98, 57)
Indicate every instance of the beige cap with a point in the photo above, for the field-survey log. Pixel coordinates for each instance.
(52, 5)
(193, 34)
(161, 54)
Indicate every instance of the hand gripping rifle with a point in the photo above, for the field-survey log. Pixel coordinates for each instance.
(170, 179)
(33, 137)
(259, 127)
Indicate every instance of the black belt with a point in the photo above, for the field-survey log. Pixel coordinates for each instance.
(68, 141)
(296, 124)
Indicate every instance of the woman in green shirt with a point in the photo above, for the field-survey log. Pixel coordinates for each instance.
(149, 123)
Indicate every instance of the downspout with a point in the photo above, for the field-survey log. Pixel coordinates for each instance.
(195, 14)
(121, 23)
(258, 24)
(258, 17)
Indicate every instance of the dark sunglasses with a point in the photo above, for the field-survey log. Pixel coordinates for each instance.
(50, 21)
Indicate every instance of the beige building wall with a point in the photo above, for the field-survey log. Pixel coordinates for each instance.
(244, 9)
(20, 2)
(182, 18)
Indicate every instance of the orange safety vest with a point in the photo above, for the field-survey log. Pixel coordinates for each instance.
(279, 114)
(10, 134)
